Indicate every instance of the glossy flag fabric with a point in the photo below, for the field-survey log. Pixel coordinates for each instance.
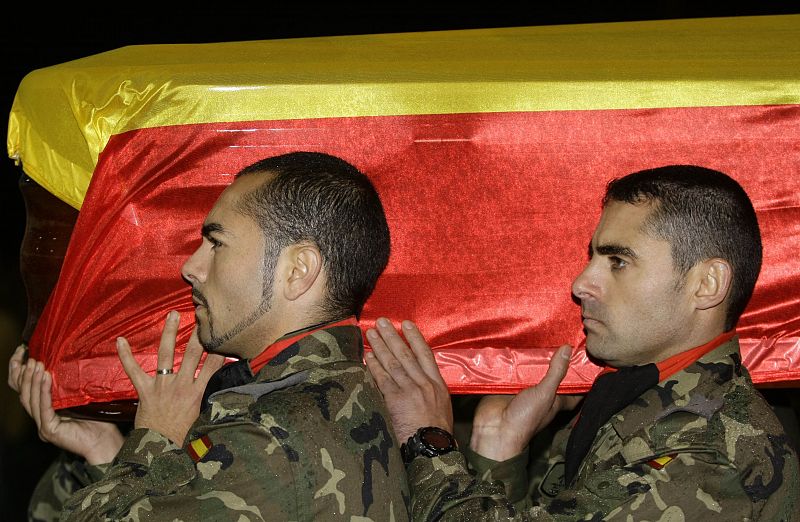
(490, 149)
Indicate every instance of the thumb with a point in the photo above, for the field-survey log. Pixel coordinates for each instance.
(559, 364)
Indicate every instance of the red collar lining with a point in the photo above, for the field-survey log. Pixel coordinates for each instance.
(678, 362)
(260, 360)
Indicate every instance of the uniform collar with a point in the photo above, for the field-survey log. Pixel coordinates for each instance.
(294, 352)
(678, 362)
(694, 386)
(289, 339)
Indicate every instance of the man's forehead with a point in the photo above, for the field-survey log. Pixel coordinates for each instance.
(226, 217)
(244, 184)
(230, 197)
(622, 223)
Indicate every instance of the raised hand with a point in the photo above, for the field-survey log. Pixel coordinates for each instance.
(416, 395)
(170, 402)
(98, 442)
(504, 424)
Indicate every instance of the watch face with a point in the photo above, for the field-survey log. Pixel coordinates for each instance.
(437, 438)
(428, 442)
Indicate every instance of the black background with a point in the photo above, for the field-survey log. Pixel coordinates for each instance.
(34, 37)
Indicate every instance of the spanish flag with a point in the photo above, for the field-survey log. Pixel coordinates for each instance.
(491, 150)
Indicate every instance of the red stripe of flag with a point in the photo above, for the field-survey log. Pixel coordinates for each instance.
(490, 215)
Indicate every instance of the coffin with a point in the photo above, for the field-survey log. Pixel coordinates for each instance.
(490, 149)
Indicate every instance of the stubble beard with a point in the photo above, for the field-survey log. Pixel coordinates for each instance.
(214, 341)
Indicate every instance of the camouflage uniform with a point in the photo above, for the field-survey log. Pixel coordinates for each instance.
(703, 443)
(305, 439)
(66, 475)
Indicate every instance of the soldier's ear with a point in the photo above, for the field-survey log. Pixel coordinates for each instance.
(712, 282)
(301, 269)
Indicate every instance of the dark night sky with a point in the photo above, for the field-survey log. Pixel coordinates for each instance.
(28, 43)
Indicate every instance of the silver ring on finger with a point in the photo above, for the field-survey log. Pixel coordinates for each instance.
(164, 371)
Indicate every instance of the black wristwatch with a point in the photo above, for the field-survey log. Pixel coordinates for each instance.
(427, 442)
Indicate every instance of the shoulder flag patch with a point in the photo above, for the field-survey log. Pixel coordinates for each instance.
(660, 462)
(198, 448)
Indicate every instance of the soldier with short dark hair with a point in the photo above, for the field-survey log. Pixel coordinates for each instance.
(296, 429)
(672, 428)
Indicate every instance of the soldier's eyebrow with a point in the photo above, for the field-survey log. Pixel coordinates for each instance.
(210, 228)
(615, 250)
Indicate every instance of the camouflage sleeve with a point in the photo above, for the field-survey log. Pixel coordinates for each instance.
(154, 479)
(66, 475)
(443, 489)
(701, 486)
(513, 473)
(682, 487)
(147, 463)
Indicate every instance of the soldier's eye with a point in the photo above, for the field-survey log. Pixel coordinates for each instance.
(617, 263)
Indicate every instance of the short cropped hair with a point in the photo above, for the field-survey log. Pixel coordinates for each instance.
(325, 200)
(703, 214)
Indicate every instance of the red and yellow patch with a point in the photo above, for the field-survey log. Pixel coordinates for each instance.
(198, 448)
(660, 462)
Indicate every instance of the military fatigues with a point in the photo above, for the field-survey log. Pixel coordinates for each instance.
(306, 439)
(66, 475)
(701, 444)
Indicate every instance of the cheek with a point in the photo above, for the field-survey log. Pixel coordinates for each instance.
(633, 300)
(655, 306)
(221, 286)
(242, 280)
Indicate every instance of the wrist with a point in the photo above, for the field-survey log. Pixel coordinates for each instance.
(430, 441)
(491, 443)
(105, 450)
(405, 430)
(172, 429)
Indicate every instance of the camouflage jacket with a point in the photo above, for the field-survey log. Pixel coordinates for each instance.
(67, 474)
(703, 443)
(306, 439)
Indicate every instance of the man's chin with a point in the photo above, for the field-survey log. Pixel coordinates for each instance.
(217, 345)
(596, 349)
(206, 340)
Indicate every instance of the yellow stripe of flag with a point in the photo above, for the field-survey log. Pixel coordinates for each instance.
(64, 115)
